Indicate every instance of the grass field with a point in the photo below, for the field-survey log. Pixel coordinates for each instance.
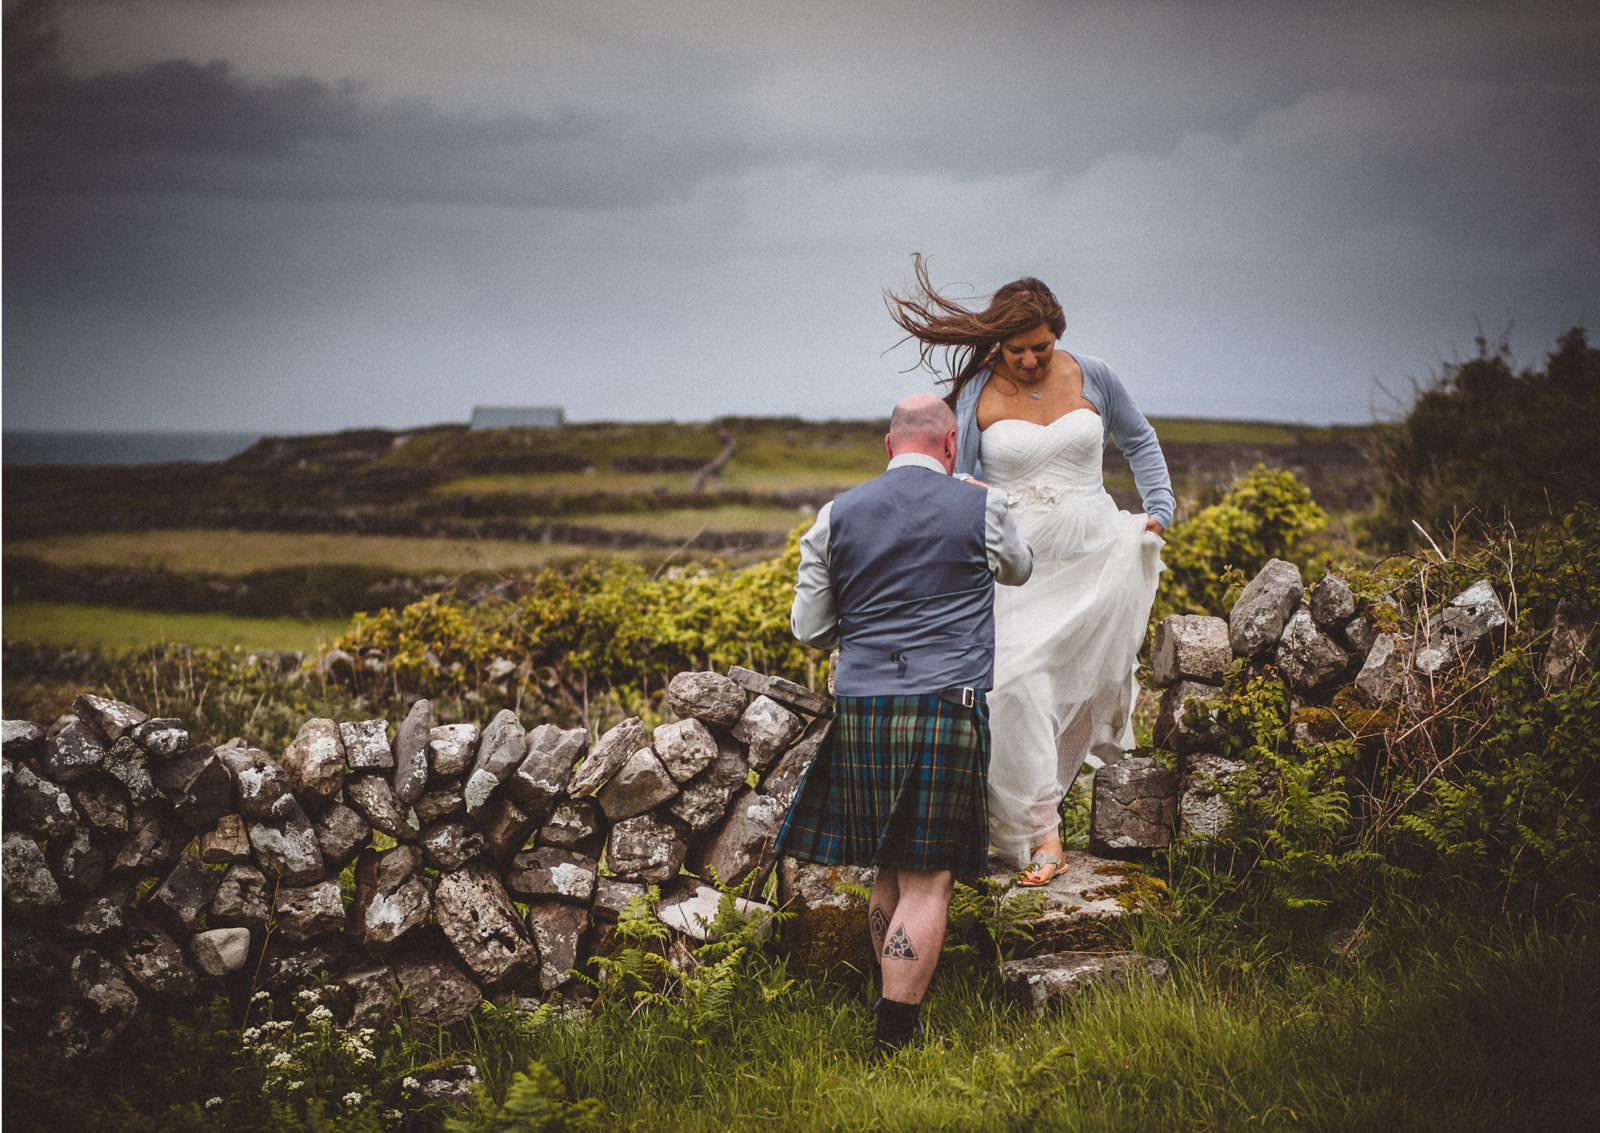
(112, 628)
(241, 552)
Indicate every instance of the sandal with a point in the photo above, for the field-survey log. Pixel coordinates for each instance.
(1042, 869)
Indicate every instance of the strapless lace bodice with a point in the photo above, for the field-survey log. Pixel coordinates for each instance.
(1041, 465)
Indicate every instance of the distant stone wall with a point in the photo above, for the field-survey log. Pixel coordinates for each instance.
(143, 869)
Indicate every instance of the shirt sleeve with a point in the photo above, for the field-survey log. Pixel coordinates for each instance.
(814, 614)
(1010, 557)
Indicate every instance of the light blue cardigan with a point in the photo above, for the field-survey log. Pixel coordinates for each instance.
(1122, 422)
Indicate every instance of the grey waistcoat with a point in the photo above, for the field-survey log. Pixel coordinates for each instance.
(908, 562)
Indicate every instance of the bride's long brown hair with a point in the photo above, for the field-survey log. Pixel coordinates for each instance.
(970, 337)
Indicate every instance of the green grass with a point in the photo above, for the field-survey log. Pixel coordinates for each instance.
(684, 523)
(1449, 1023)
(113, 628)
(199, 551)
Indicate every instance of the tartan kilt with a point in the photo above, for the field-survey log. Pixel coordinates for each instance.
(901, 782)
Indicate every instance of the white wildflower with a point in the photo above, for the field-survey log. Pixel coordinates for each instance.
(353, 1098)
(305, 995)
(280, 1059)
(410, 1083)
(320, 1015)
(213, 1103)
(259, 996)
(295, 1086)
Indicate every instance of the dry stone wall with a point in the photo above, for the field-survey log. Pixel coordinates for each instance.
(1342, 676)
(143, 869)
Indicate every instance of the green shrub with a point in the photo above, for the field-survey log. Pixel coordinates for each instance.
(1487, 445)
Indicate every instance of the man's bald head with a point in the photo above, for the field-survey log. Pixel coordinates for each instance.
(923, 423)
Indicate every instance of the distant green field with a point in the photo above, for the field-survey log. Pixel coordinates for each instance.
(111, 628)
(241, 552)
(684, 523)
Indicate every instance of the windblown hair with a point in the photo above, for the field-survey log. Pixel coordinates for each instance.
(970, 337)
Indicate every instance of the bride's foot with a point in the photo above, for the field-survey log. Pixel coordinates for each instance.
(1046, 863)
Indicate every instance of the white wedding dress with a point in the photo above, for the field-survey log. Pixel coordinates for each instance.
(1067, 641)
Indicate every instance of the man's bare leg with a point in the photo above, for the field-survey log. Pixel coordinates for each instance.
(908, 934)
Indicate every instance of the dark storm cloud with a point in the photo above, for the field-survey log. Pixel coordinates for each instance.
(187, 128)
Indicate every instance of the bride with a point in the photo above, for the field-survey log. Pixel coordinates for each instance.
(1034, 420)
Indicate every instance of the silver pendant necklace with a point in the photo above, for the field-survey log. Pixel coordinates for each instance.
(1035, 394)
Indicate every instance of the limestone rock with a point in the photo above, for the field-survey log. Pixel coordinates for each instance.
(552, 872)
(442, 799)
(304, 911)
(296, 965)
(685, 748)
(1308, 658)
(244, 898)
(375, 798)
(103, 1006)
(557, 929)
(1039, 981)
(72, 753)
(782, 783)
(22, 740)
(1202, 810)
(104, 804)
(77, 863)
(450, 845)
(315, 760)
(767, 728)
(500, 752)
(37, 805)
(1134, 808)
(482, 925)
(640, 784)
(185, 895)
(411, 753)
(1570, 634)
(287, 849)
(1385, 676)
(264, 790)
(437, 992)
(1172, 729)
(694, 914)
(703, 801)
(100, 916)
(707, 696)
(152, 843)
(155, 964)
(1257, 619)
(1084, 905)
(611, 897)
(341, 832)
(111, 719)
(1332, 602)
(221, 952)
(577, 825)
(506, 829)
(547, 768)
(452, 749)
(741, 852)
(609, 753)
(369, 997)
(128, 763)
(226, 842)
(28, 883)
(392, 894)
(1190, 647)
(198, 784)
(784, 691)
(645, 848)
(1473, 620)
(366, 745)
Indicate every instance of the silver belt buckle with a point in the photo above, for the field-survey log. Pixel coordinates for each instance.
(969, 697)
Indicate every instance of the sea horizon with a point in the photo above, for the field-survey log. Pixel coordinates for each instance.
(26, 447)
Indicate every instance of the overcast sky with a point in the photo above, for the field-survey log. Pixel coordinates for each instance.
(305, 215)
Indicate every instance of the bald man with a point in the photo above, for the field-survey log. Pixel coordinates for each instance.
(900, 572)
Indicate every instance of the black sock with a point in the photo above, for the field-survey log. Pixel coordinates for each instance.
(897, 1025)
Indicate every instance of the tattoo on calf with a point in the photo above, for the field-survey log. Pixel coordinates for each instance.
(878, 922)
(898, 946)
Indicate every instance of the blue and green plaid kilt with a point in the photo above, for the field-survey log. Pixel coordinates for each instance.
(900, 782)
